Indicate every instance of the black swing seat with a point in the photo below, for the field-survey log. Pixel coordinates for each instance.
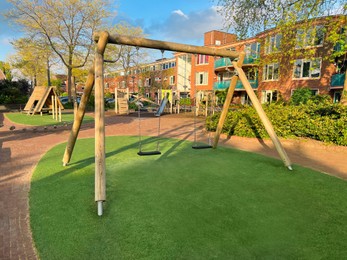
(204, 146)
(141, 153)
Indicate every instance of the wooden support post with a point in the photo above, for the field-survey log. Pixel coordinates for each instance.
(116, 100)
(100, 166)
(206, 106)
(267, 124)
(227, 102)
(59, 114)
(56, 107)
(79, 116)
(53, 112)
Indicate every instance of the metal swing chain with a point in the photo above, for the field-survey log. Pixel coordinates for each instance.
(138, 109)
(161, 86)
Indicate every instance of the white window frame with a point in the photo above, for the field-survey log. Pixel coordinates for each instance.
(202, 59)
(309, 37)
(268, 96)
(172, 80)
(301, 68)
(315, 91)
(251, 52)
(201, 78)
(273, 43)
(271, 68)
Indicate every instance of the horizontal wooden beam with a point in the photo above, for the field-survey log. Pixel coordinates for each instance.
(168, 46)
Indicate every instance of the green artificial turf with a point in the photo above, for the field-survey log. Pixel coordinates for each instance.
(185, 204)
(44, 120)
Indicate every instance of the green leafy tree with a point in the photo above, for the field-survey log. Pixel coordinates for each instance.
(67, 25)
(6, 69)
(247, 18)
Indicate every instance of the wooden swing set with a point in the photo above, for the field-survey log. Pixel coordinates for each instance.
(96, 77)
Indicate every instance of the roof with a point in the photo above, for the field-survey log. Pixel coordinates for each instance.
(41, 96)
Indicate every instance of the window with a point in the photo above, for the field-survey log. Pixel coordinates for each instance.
(148, 82)
(307, 68)
(172, 80)
(201, 78)
(310, 37)
(252, 50)
(201, 59)
(245, 100)
(273, 43)
(269, 96)
(271, 71)
(337, 96)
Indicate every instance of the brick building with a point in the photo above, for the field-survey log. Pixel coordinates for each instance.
(276, 64)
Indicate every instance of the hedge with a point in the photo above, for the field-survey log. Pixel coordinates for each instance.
(321, 121)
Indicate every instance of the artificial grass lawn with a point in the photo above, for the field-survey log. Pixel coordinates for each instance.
(185, 204)
(44, 120)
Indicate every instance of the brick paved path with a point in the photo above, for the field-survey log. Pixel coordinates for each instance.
(22, 148)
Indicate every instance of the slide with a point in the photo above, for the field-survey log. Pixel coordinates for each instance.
(162, 106)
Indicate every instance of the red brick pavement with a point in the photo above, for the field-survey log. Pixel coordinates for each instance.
(22, 148)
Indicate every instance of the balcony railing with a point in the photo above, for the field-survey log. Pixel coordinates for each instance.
(225, 84)
(226, 62)
(337, 80)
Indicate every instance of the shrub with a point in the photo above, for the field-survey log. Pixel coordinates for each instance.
(301, 96)
(323, 121)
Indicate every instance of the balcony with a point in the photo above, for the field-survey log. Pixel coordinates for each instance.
(226, 62)
(337, 80)
(225, 84)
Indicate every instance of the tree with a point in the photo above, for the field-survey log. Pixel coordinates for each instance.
(125, 57)
(67, 25)
(247, 18)
(6, 69)
(34, 58)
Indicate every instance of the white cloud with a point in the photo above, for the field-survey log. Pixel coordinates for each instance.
(180, 13)
(187, 28)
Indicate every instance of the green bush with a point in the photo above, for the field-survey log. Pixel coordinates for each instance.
(301, 96)
(323, 121)
(14, 92)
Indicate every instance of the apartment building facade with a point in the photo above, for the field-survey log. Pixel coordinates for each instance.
(276, 64)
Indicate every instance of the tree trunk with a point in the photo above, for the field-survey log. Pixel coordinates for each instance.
(48, 74)
(69, 74)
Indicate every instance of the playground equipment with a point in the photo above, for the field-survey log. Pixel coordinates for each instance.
(208, 99)
(44, 99)
(96, 75)
(121, 105)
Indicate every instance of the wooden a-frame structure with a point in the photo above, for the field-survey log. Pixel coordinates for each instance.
(96, 76)
(43, 99)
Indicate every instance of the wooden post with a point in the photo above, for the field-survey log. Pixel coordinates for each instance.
(79, 116)
(59, 113)
(56, 107)
(227, 102)
(206, 106)
(267, 124)
(53, 112)
(100, 166)
(116, 100)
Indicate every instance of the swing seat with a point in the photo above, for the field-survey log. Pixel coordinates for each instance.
(141, 153)
(204, 146)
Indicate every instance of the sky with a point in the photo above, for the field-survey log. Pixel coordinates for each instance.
(181, 21)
